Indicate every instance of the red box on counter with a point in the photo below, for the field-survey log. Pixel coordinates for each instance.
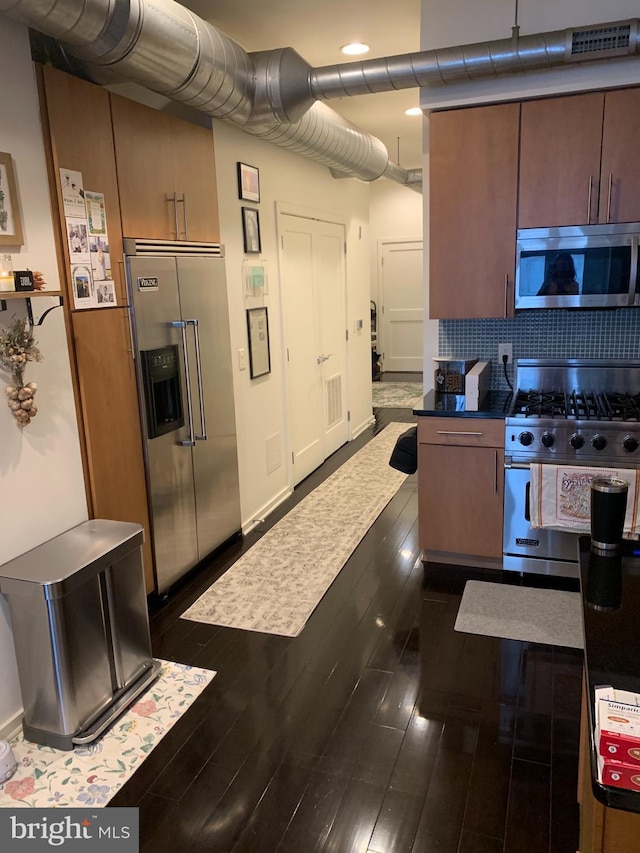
(620, 747)
(620, 775)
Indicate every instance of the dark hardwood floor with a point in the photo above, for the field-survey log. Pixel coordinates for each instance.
(378, 729)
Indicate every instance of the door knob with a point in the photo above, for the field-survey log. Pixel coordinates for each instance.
(322, 358)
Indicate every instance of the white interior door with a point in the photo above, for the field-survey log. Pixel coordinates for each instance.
(314, 306)
(402, 299)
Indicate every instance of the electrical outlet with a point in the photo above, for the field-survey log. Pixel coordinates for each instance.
(505, 349)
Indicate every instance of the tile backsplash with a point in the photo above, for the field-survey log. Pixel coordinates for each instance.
(542, 334)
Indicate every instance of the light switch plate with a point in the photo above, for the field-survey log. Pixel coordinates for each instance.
(242, 359)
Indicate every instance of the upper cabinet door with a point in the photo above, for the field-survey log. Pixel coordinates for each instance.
(195, 182)
(473, 174)
(143, 145)
(166, 174)
(71, 104)
(620, 193)
(560, 161)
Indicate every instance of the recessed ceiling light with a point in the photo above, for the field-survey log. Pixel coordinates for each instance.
(355, 48)
(413, 111)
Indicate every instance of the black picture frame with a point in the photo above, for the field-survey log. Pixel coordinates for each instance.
(258, 334)
(248, 182)
(251, 231)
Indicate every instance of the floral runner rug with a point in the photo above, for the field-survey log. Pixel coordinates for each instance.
(278, 583)
(91, 774)
(397, 395)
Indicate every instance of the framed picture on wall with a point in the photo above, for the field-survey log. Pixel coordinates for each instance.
(248, 182)
(258, 332)
(251, 230)
(10, 222)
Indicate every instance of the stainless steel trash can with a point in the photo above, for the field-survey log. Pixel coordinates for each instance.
(81, 630)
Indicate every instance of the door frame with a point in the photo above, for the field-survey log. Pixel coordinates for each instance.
(380, 295)
(302, 212)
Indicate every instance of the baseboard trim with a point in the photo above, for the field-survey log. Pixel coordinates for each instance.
(12, 728)
(362, 427)
(266, 510)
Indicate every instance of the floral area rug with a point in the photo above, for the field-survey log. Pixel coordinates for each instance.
(397, 395)
(90, 775)
(278, 583)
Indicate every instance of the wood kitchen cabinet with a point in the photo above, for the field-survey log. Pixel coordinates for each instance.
(166, 174)
(473, 186)
(578, 160)
(100, 347)
(460, 490)
(109, 403)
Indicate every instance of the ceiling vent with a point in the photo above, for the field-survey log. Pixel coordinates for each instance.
(603, 42)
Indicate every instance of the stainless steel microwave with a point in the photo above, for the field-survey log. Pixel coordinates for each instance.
(586, 266)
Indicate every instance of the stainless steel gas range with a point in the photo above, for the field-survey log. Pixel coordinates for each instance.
(563, 412)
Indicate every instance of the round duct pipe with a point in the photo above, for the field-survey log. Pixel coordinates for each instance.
(161, 45)
(514, 55)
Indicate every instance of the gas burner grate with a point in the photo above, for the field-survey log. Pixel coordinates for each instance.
(556, 404)
(579, 405)
(621, 407)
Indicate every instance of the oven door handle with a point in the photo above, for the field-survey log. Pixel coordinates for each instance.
(527, 502)
(633, 283)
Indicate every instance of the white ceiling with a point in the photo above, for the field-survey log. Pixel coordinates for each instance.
(317, 29)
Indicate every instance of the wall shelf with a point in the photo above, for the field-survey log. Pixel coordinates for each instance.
(28, 296)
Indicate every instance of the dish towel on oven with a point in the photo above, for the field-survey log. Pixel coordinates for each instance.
(561, 497)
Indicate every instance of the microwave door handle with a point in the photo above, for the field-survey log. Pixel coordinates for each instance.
(180, 324)
(196, 337)
(633, 278)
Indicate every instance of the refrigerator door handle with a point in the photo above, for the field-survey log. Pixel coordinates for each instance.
(181, 324)
(196, 336)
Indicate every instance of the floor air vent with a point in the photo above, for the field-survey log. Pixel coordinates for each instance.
(612, 40)
(333, 392)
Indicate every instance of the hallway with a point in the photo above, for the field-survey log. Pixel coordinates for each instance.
(379, 728)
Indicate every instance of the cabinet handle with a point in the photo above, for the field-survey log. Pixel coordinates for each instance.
(589, 199)
(175, 213)
(183, 202)
(495, 480)
(506, 295)
(456, 432)
(609, 198)
(184, 216)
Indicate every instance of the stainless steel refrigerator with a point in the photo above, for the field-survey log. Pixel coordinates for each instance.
(180, 330)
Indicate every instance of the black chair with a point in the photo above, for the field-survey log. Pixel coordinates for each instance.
(405, 453)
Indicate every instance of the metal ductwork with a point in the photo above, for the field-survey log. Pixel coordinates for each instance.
(163, 46)
(275, 94)
(515, 55)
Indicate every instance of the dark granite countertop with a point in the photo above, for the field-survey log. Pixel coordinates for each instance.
(435, 404)
(612, 650)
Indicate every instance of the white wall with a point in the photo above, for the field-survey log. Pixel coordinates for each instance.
(396, 212)
(446, 24)
(40, 466)
(285, 178)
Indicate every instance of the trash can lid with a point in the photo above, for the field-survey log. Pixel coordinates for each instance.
(61, 564)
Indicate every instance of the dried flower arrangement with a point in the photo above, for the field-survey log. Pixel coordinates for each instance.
(17, 348)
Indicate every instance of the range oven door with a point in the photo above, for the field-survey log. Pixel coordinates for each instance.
(525, 549)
